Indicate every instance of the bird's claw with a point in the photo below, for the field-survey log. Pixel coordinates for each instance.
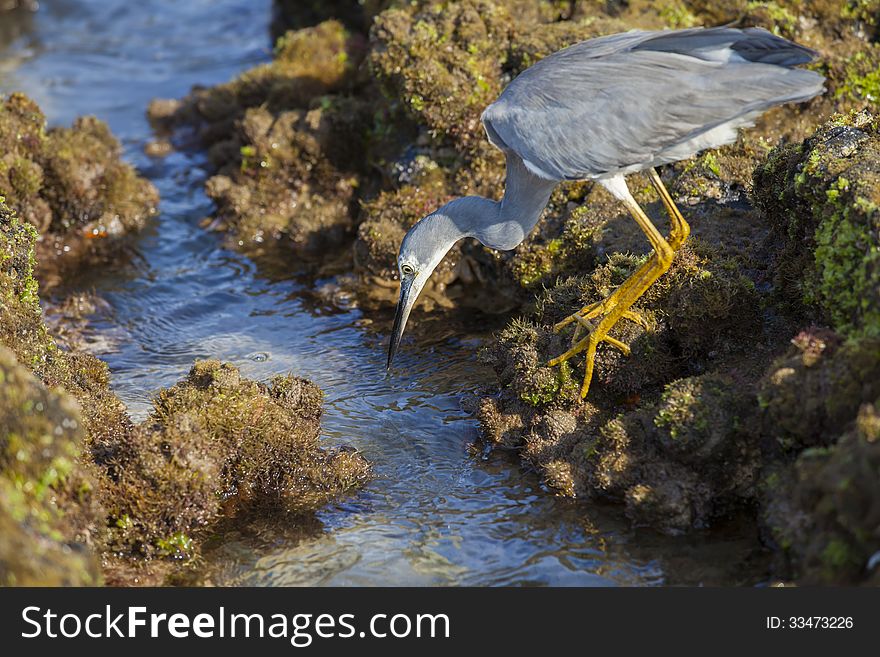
(583, 320)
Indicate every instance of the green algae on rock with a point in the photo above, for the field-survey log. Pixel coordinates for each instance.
(71, 184)
(286, 191)
(823, 198)
(84, 483)
(23, 331)
(287, 143)
(49, 512)
(444, 63)
(216, 444)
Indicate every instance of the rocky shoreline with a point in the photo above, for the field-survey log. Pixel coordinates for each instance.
(754, 385)
(752, 389)
(88, 496)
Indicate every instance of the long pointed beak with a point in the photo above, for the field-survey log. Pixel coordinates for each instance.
(408, 294)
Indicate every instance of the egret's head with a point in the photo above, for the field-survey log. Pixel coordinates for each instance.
(421, 251)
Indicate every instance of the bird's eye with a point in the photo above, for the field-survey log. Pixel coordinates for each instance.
(408, 270)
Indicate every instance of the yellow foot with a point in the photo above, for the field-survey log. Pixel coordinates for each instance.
(596, 332)
(596, 309)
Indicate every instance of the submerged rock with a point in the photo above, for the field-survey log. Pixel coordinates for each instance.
(80, 482)
(71, 184)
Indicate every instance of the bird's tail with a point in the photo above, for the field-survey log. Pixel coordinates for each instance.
(760, 46)
(752, 44)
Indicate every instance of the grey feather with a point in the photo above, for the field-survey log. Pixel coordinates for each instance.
(630, 101)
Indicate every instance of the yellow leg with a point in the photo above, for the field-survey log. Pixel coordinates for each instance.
(600, 307)
(609, 320)
(677, 236)
(618, 304)
(680, 229)
(614, 342)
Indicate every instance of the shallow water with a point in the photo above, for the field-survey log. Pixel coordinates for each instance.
(434, 514)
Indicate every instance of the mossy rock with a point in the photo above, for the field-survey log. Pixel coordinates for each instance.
(293, 182)
(70, 184)
(443, 62)
(308, 63)
(49, 513)
(813, 392)
(701, 310)
(287, 141)
(823, 198)
(217, 444)
(678, 464)
(832, 529)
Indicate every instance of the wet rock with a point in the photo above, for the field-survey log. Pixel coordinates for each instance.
(827, 515)
(813, 392)
(80, 482)
(285, 191)
(216, 444)
(823, 199)
(71, 184)
(49, 512)
(678, 463)
(287, 143)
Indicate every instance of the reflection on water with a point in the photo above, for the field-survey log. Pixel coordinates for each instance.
(434, 514)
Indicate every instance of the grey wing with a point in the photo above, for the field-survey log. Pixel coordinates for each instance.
(623, 101)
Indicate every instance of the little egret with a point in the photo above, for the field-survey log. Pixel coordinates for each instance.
(599, 110)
